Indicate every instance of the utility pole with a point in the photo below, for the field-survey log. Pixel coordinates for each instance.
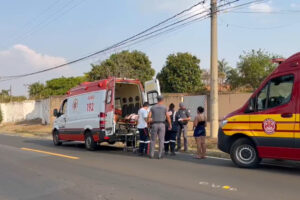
(214, 110)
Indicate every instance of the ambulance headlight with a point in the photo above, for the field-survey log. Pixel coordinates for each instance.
(223, 123)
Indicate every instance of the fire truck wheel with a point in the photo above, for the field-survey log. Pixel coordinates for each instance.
(55, 137)
(244, 154)
(90, 144)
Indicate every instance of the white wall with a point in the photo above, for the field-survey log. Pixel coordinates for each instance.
(26, 110)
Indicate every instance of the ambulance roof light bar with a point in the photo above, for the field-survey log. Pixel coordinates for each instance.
(278, 60)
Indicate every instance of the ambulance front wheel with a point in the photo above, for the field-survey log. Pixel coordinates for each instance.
(90, 144)
(244, 154)
(55, 136)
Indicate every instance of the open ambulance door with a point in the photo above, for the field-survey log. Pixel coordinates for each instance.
(152, 91)
(109, 106)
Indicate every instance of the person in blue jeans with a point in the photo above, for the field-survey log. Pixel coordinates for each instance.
(200, 132)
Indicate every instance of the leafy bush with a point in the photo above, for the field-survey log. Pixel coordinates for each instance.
(1, 117)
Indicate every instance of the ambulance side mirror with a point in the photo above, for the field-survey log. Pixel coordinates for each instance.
(55, 113)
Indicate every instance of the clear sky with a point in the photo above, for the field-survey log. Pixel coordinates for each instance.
(38, 34)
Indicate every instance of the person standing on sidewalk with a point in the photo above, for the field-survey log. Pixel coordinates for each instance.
(157, 117)
(143, 129)
(200, 132)
(170, 138)
(184, 116)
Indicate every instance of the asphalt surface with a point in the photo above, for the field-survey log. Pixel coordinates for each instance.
(35, 169)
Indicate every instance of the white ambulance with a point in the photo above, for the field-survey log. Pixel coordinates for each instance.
(96, 112)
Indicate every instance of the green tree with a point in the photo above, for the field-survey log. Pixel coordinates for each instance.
(57, 86)
(233, 78)
(223, 68)
(35, 90)
(4, 96)
(125, 64)
(181, 73)
(5, 92)
(255, 66)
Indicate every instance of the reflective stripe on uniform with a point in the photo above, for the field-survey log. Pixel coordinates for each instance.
(173, 141)
(166, 142)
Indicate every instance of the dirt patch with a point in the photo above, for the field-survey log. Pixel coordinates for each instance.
(32, 128)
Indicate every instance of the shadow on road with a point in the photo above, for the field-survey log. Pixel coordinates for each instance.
(272, 166)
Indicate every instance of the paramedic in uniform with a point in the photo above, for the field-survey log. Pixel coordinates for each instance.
(157, 117)
(143, 129)
(183, 116)
(170, 138)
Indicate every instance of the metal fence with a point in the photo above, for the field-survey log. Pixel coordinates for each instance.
(193, 102)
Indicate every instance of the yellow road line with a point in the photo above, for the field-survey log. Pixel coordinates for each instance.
(50, 153)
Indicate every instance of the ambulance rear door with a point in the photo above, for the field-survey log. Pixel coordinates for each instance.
(109, 106)
(152, 91)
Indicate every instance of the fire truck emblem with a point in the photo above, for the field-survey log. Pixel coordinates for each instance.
(75, 104)
(269, 126)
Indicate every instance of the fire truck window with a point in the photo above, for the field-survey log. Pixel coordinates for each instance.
(261, 98)
(280, 90)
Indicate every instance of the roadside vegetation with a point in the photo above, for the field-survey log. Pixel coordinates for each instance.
(180, 74)
(1, 116)
(5, 97)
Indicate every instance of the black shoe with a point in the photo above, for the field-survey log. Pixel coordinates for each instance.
(140, 154)
(173, 154)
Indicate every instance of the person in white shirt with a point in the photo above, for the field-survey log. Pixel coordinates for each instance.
(143, 129)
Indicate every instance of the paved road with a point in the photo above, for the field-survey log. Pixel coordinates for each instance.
(35, 169)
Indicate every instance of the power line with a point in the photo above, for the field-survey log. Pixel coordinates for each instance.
(282, 12)
(136, 38)
(64, 9)
(257, 28)
(243, 5)
(108, 48)
(55, 12)
(31, 22)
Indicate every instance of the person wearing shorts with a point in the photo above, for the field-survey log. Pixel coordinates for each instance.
(200, 132)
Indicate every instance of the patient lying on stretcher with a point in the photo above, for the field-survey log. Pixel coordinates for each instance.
(130, 119)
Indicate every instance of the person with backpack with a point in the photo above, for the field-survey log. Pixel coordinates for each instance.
(170, 137)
